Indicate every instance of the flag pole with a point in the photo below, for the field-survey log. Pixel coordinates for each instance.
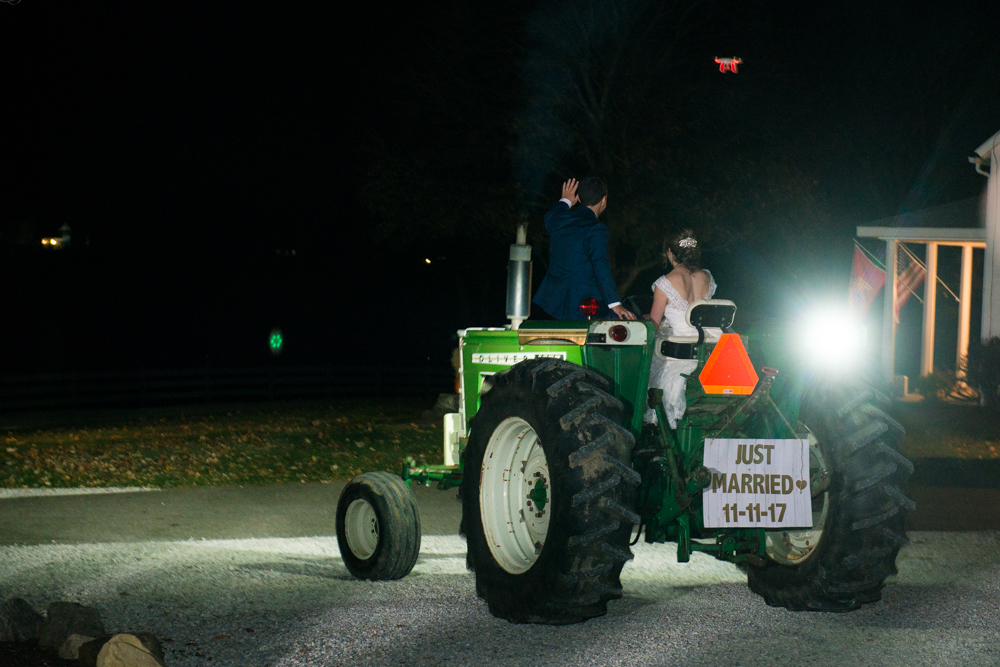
(873, 258)
(915, 259)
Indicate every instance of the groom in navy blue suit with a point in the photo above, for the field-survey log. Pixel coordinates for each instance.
(578, 255)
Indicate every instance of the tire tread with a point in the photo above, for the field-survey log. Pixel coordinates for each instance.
(399, 527)
(866, 527)
(584, 422)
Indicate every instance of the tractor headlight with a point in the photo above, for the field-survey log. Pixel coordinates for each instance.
(832, 339)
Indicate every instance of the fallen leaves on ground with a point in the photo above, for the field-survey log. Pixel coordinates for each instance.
(297, 443)
(936, 429)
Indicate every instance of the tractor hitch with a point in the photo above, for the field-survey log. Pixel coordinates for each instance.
(447, 477)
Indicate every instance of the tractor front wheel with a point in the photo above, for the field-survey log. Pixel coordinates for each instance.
(547, 494)
(858, 520)
(378, 527)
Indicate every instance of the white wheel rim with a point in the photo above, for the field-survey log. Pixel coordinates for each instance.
(514, 526)
(793, 547)
(361, 526)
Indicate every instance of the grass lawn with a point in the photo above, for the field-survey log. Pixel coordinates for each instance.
(941, 430)
(314, 442)
(305, 442)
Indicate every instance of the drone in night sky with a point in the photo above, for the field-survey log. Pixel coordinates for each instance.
(728, 64)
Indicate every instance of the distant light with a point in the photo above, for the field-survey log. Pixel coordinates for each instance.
(276, 342)
(45, 241)
(427, 261)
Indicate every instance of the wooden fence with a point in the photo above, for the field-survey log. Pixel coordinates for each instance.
(139, 388)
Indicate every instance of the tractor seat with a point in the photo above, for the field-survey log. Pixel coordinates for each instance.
(711, 317)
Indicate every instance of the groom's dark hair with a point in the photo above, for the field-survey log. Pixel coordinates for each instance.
(591, 191)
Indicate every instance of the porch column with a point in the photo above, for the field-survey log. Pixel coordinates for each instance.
(889, 312)
(964, 310)
(991, 262)
(930, 310)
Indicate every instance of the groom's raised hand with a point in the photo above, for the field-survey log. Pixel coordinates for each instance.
(569, 191)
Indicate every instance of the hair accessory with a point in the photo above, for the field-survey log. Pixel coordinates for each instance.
(688, 243)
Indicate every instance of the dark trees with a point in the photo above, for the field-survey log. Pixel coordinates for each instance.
(821, 130)
(620, 89)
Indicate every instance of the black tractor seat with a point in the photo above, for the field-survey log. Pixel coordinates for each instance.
(710, 317)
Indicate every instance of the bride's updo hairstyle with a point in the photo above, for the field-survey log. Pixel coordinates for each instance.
(685, 248)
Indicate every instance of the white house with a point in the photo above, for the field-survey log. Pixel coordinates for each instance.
(988, 155)
(933, 227)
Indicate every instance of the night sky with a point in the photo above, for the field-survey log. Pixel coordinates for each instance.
(229, 168)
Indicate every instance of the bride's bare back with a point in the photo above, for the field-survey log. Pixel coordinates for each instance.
(690, 285)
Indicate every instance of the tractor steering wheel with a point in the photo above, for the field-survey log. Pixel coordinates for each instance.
(639, 305)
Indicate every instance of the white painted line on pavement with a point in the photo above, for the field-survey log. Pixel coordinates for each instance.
(76, 491)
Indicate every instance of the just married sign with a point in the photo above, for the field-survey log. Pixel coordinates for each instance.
(757, 483)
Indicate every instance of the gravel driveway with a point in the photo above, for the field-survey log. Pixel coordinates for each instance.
(289, 601)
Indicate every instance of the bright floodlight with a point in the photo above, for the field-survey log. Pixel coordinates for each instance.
(832, 339)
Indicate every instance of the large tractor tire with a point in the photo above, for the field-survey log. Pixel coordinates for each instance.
(547, 494)
(378, 527)
(858, 522)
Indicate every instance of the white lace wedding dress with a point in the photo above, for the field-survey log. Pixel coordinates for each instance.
(665, 373)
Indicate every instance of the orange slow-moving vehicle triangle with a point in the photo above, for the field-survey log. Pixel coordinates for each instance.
(728, 369)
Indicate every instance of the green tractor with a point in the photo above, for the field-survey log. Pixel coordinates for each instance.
(795, 477)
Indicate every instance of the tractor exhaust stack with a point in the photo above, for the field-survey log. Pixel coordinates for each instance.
(519, 279)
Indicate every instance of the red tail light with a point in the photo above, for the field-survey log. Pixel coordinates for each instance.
(619, 333)
(589, 307)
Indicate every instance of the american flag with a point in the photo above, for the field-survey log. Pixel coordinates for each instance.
(907, 280)
(866, 280)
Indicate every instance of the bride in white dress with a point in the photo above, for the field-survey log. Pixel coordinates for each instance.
(687, 282)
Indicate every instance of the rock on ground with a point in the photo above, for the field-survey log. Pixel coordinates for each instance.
(70, 649)
(90, 650)
(19, 621)
(131, 651)
(67, 618)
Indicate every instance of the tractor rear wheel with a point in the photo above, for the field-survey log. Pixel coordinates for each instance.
(858, 522)
(547, 494)
(378, 527)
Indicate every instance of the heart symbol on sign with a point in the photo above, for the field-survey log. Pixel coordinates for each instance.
(801, 483)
